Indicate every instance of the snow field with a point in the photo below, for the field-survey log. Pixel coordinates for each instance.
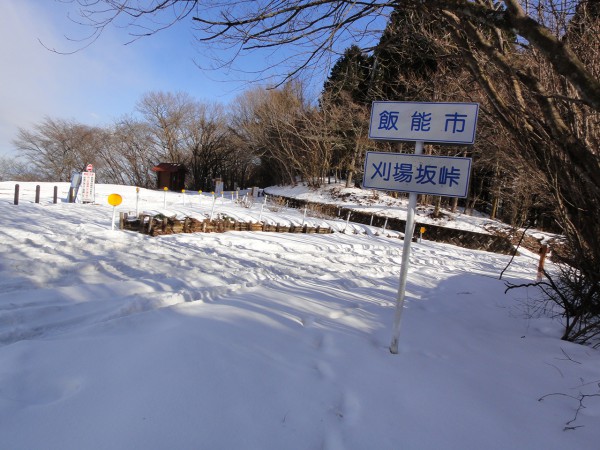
(116, 340)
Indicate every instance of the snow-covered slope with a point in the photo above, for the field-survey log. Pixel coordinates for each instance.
(116, 340)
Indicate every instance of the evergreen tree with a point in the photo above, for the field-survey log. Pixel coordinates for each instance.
(349, 75)
(406, 57)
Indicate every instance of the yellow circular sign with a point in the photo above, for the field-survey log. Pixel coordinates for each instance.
(166, 188)
(422, 230)
(114, 199)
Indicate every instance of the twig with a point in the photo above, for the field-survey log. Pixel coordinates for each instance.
(581, 406)
(515, 252)
(568, 358)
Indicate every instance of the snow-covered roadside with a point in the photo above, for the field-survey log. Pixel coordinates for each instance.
(379, 203)
(269, 341)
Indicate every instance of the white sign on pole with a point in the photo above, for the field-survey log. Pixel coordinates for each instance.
(88, 180)
(450, 123)
(421, 174)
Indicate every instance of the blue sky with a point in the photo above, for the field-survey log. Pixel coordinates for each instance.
(102, 82)
(99, 83)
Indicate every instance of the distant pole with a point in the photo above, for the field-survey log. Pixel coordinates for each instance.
(55, 194)
(16, 201)
(304, 216)
(37, 193)
(384, 225)
(183, 196)
(165, 198)
(371, 223)
(212, 210)
(262, 207)
(347, 221)
(199, 197)
(137, 201)
(408, 234)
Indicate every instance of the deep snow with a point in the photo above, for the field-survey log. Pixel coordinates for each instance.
(116, 340)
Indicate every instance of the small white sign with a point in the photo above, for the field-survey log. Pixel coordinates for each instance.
(451, 123)
(88, 183)
(421, 174)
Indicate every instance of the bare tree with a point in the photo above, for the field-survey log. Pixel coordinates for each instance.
(14, 169)
(206, 144)
(55, 148)
(269, 121)
(317, 26)
(129, 157)
(168, 115)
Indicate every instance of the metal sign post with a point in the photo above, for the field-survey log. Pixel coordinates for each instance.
(114, 200)
(450, 123)
(408, 235)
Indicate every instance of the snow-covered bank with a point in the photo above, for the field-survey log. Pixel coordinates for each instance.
(270, 341)
(379, 203)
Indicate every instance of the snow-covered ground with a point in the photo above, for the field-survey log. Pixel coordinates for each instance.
(117, 340)
(379, 203)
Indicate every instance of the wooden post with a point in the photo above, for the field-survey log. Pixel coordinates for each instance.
(542, 252)
(37, 193)
(122, 217)
(16, 194)
(55, 200)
